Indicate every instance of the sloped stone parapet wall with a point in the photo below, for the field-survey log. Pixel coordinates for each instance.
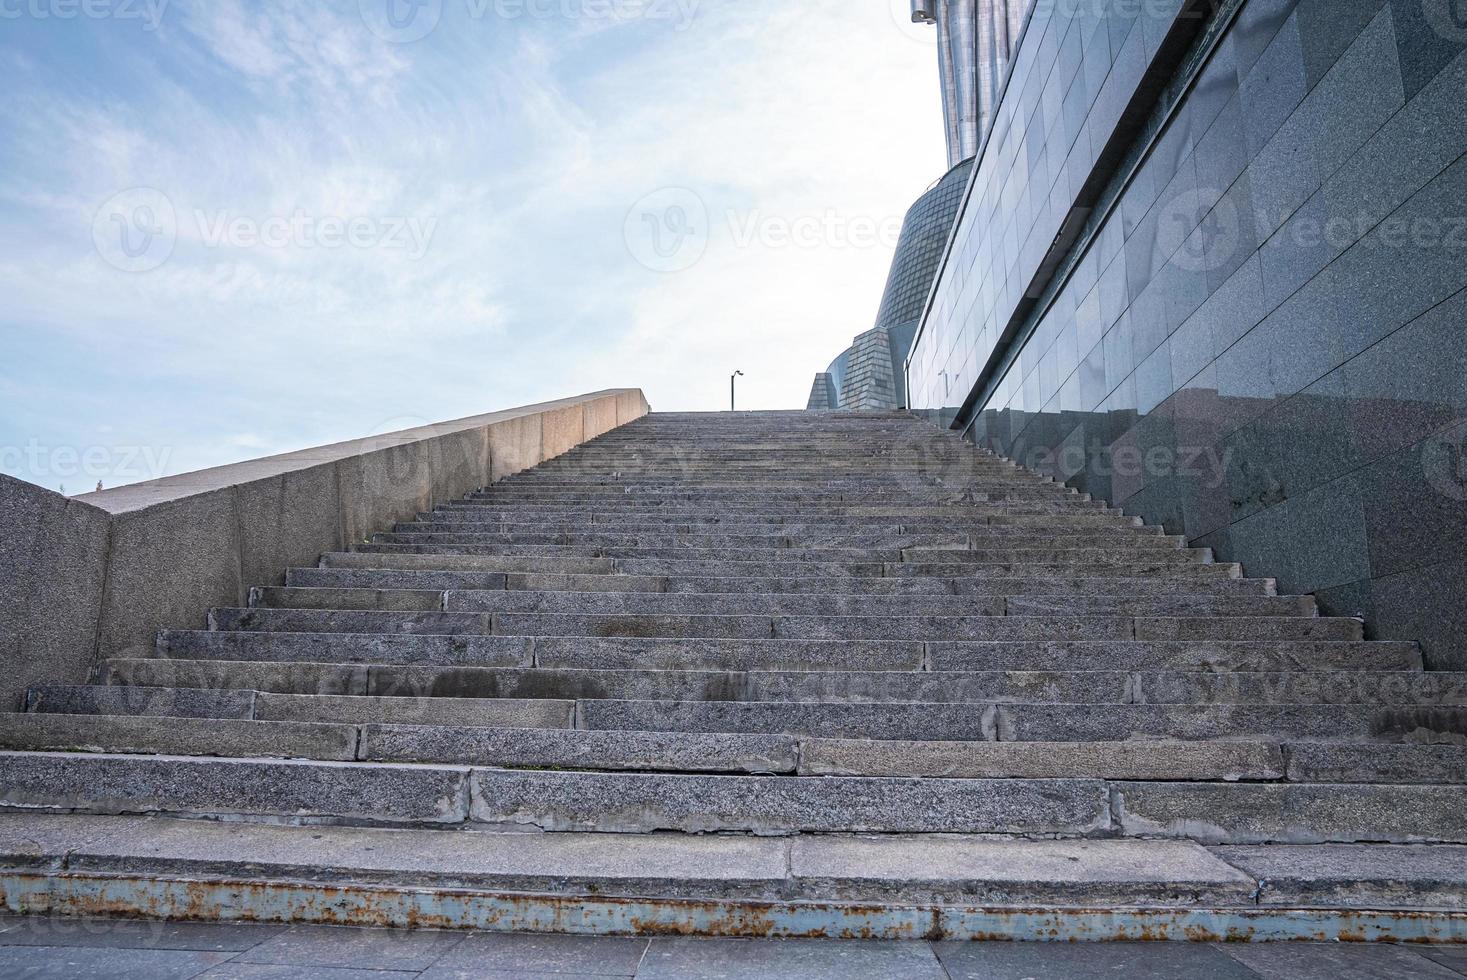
(96, 576)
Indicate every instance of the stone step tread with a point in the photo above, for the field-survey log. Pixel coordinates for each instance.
(393, 702)
(1064, 686)
(759, 535)
(448, 579)
(924, 627)
(600, 751)
(637, 803)
(634, 603)
(394, 557)
(166, 735)
(788, 655)
(1151, 550)
(943, 870)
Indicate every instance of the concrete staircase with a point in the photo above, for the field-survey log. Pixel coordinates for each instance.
(868, 664)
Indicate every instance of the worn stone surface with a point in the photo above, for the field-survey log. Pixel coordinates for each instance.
(1333, 762)
(965, 722)
(662, 864)
(771, 805)
(529, 748)
(54, 555)
(299, 791)
(239, 675)
(711, 653)
(131, 700)
(177, 736)
(356, 648)
(408, 710)
(1305, 813)
(1119, 722)
(1355, 876)
(1162, 655)
(1015, 872)
(1139, 760)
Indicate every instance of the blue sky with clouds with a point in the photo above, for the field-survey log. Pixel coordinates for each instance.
(239, 227)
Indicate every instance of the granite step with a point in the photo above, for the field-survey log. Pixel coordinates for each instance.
(395, 696)
(805, 626)
(450, 580)
(171, 735)
(833, 627)
(621, 653)
(1110, 555)
(352, 708)
(802, 604)
(679, 752)
(803, 886)
(397, 557)
(430, 675)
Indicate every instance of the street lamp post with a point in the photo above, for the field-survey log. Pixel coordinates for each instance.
(731, 378)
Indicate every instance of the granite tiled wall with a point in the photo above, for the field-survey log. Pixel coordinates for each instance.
(1256, 332)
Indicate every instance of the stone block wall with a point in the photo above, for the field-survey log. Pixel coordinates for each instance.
(96, 576)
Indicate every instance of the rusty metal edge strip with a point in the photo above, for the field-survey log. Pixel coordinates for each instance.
(236, 900)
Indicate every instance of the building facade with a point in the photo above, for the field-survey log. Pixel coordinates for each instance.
(975, 40)
(870, 374)
(1211, 268)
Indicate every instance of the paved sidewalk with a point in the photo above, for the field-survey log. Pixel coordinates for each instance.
(36, 948)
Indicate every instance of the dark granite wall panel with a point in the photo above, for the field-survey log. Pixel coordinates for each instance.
(1264, 344)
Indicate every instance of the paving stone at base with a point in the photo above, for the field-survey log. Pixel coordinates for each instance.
(59, 931)
(1135, 961)
(523, 955)
(716, 959)
(337, 947)
(66, 963)
(1285, 961)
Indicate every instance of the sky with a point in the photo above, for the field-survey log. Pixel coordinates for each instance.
(233, 228)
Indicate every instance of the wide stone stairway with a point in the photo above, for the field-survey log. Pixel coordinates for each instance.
(793, 673)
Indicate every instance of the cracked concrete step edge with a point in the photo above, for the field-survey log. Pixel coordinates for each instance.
(1255, 759)
(636, 803)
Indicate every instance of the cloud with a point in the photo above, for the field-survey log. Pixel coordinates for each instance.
(523, 142)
